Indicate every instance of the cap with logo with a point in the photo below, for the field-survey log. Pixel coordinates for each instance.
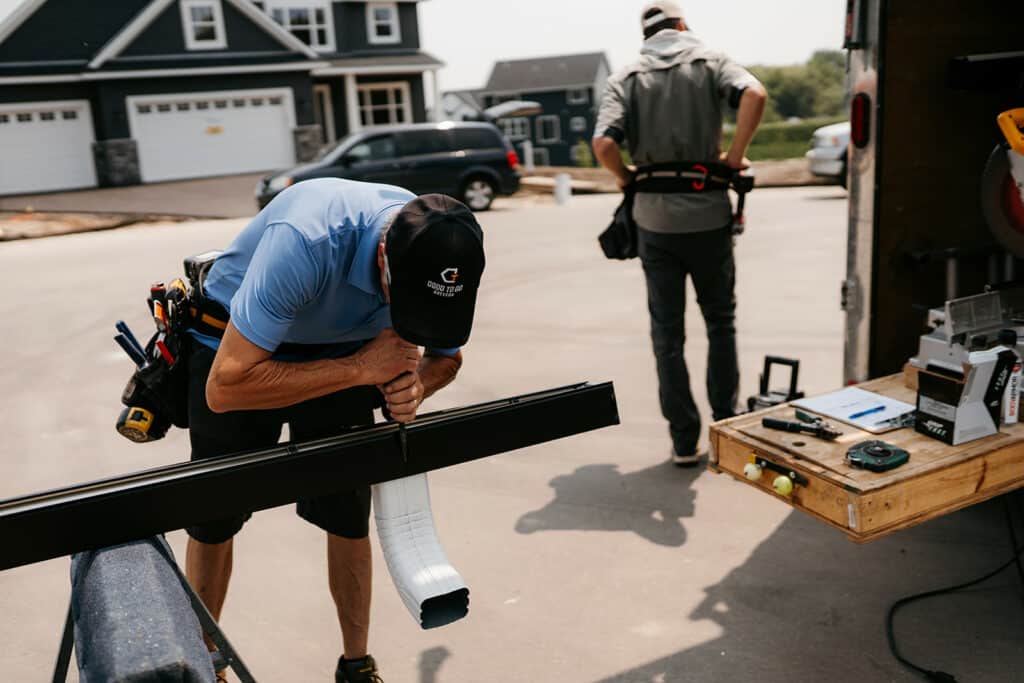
(435, 257)
(665, 9)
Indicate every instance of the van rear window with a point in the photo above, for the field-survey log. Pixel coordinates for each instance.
(476, 138)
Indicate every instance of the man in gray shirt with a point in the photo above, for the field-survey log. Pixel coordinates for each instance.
(667, 110)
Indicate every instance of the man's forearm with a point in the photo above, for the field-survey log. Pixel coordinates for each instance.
(748, 117)
(277, 384)
(609, 155)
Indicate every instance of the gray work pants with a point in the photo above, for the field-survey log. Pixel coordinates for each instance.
(707, 258)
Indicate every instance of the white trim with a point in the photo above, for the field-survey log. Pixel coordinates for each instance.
(18, 16)
(311, 6)
(508, 124)
(578, 119)
(371, 24)
(389, 86)
(327, 111)
(30, 80)
(541, 140)
(45, 104)
(438, 110)
(220, 39)
(129, 32)
(161, 73)
(272, 27)
(352, 104)
(135, 28)
(367, 70)
(198, 71)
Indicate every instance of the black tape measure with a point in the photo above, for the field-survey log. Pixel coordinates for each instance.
(876, 456)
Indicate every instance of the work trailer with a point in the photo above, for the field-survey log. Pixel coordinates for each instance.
(927, 81)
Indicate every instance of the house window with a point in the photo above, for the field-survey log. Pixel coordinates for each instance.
(541, 157)
(549, 129)
(382, 25)
(24, 118)
(578, 124)
(383, 103)
(577, 96)
(203, 23)
(515, 128)
(309, 21)
(69, 115)
(47, 116)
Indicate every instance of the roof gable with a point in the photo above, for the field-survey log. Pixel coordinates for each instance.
(56, 30)
(165, 35)
(157, 30)
(545, 73)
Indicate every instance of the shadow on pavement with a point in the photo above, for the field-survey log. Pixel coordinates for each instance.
(840, 194)
(810, 606)
(651, 502)
(430, 663)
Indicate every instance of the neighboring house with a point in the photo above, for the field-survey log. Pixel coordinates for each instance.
(569, 90)
(462, 105)
(117, 93)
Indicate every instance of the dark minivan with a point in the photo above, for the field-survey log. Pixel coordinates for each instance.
(470, 161)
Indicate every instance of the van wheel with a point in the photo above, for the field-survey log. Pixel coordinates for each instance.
(478, 194)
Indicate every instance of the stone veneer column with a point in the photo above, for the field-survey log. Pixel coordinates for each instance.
(117, 162)
(308, 141)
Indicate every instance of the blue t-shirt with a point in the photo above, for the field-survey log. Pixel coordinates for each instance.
(304, 271)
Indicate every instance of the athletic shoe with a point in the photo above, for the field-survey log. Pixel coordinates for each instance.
(691, 460)
(357, 671)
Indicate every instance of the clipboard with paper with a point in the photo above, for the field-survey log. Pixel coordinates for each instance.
(864, 410)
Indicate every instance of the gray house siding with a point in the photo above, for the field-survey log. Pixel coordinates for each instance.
(350, 29)
(68, 29)
(165, 36)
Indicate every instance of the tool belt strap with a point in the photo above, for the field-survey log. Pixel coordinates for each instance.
(208, 317)
(683, 177)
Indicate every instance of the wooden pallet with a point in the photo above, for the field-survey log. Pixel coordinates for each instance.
(866, 505)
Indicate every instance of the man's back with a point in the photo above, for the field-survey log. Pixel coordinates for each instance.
(668, 106)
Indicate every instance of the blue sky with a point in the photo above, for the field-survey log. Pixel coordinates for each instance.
(469, 35)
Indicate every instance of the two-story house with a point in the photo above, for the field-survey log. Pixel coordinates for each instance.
(121, 92)
(569, 90)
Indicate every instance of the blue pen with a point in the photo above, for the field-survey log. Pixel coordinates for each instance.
(869, 411)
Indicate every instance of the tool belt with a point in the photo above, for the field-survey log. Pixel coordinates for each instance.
(683, 177)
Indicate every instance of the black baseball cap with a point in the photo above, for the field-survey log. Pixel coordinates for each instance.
(435, 257)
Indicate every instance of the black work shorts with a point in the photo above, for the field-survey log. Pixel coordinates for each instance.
(345, 513)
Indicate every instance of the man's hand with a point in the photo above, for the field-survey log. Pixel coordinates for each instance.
(403, 396)
(626, 179)
(387, 357)
(739, 164)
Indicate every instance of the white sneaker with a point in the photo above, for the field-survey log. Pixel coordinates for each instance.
(685, 460)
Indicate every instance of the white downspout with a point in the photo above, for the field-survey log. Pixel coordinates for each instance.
(433, 592)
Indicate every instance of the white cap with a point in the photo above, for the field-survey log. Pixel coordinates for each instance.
(667, 9)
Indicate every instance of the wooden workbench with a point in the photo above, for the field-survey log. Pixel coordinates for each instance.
(867, 505)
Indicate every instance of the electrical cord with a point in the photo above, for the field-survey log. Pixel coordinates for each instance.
(942, 676)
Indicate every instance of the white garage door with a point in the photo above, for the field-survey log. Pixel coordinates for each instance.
(46, 146)
(205, 134)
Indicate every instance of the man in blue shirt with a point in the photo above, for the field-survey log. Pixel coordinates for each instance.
(327, 296)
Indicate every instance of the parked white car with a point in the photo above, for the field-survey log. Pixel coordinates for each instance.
(827, 156)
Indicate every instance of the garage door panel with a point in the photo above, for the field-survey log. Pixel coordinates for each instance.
(46, 147)
(190, 135)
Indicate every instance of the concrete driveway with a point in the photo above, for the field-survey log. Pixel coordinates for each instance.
(220, 197)
(590, 559)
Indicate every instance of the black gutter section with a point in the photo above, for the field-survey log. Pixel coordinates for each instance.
(120, 509)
